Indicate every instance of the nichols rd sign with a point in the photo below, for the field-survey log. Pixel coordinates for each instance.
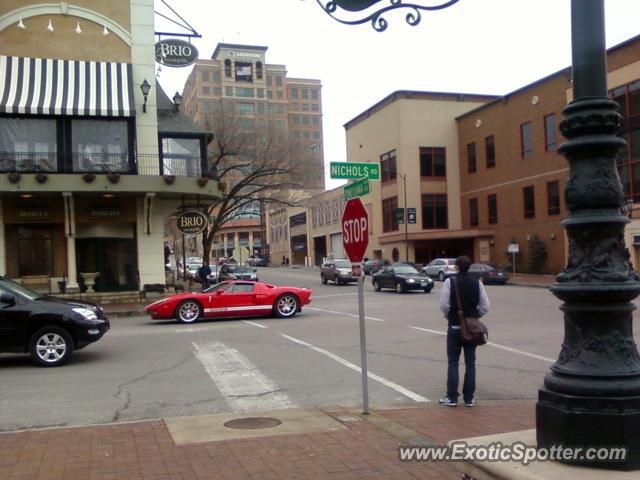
(355, 171)
(355, 229)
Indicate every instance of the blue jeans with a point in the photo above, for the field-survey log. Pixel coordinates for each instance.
(454, 348)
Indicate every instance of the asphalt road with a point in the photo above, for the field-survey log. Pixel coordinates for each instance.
(145, 369)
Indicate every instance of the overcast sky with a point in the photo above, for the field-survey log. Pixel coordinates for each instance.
(475, 46)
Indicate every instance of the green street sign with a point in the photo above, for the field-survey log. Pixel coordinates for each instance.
(356, 189)
(354, 171)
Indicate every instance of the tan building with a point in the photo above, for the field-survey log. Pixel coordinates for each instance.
(91, 167)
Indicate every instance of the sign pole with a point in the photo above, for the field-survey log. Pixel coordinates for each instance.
(363, 345)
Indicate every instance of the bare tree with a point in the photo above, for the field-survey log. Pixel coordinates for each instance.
(251, 163)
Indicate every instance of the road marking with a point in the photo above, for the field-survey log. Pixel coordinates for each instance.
(255, 324)
(243, 386)
(344, 313)
(398, 388)
(496, 345)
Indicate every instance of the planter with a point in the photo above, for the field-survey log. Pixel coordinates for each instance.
(113, 177)
(14, 177)
(202, 181)
(169, 179)
(89, 177)
(41, 177)
(90, 280)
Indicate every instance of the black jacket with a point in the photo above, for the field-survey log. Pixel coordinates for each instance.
(469, 295)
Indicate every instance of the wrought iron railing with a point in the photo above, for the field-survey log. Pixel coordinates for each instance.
(123, 163)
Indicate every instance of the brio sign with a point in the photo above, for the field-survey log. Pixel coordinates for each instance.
(192, 223)
(173, 52)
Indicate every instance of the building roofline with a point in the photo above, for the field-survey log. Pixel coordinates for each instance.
(566, 71)
(414, 94)
(238, 46)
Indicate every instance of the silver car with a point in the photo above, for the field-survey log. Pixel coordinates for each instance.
(440, 268)
(338, 271)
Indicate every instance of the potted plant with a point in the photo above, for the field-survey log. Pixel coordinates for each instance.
(113, 177)
(202, 181)
(89, 177)
(14, 177)
(169, 179)
(41, 177)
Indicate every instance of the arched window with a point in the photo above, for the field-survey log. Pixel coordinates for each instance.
(395, 255)
(227, 68)
(258, 69)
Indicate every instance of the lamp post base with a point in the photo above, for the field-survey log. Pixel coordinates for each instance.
(585, 422)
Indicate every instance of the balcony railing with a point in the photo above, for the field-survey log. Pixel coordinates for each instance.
(123, 163)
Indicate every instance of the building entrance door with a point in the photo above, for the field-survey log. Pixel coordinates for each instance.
(113, 258)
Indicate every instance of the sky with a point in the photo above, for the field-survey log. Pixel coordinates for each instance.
(475, 46)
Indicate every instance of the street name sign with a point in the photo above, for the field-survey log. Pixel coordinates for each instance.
(355, 171)
(355, 229)
(356, 189)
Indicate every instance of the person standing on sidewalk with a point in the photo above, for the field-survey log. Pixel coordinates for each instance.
(475, 303)
(203, 272)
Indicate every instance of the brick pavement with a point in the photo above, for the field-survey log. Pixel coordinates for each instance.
(145, 450)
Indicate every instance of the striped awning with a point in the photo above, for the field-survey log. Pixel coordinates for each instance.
(65, 87)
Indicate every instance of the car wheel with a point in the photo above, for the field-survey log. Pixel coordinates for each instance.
(376, 286)
(400, 288)
(323, 278)
(441, 276)
(428, 289)
(188, 311)
(50, 346)
(286, 305)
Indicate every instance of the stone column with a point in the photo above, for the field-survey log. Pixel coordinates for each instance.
(3, 253)
(70, 234)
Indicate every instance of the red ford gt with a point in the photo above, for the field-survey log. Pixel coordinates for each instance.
(232, 299)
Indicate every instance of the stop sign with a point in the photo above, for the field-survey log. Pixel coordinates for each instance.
(355, 229)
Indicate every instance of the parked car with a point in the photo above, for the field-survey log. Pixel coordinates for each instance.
(489, 273)
(213, 276)
(440, 268)
(232, 271)
(232, 299)
(338, 271)
(401, 277)
(372, 266)
(257, 261)
(192, 269)
(48, 328)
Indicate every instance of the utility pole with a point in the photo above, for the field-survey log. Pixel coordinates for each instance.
(406, 218)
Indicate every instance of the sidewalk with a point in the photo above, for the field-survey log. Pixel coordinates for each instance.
(356, 447)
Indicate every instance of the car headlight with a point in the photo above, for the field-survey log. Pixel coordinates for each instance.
(86, 313)
(253, 276)
(410, 280)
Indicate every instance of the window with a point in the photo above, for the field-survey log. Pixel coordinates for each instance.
(471, 157)
(434, 211)
(279, 95)
(315, 107)
(35, 251)
(278, 80)
(553, 198)
(628, 97)
(244, 92)
(269, 80)
(305, 94)
(205, 76)
(258, 69)
(181, 156)
(228, 91)
(28, 143)
(526, 141)
(304, 107)
(492, 207)
(490, 151)
(473, 212)
(215, 76)
(315, 120)
(244, 72)
(305, 120)
(388, 166)
(433, 162)
(389, 206)
(550, 139)
(529, 202)
(101, 145)
(206, 91)
(260, 92)
(314, 94)
(217, 91)
(227, 68)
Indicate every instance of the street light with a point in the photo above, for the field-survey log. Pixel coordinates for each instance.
(592, 394)
(403, 176)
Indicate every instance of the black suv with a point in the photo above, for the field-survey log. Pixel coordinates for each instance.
(48, 328)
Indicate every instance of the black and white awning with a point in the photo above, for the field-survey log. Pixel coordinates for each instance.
(65, 87)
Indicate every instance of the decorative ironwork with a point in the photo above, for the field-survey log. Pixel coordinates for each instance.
(378, 22)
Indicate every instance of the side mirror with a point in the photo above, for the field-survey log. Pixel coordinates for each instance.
(7, 299)
(219, 291)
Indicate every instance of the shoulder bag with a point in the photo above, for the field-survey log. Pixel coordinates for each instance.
(471, 328)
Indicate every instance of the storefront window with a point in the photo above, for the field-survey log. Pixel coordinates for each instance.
(100, 146)
(181, 156)
(28, 144)
(35, 251)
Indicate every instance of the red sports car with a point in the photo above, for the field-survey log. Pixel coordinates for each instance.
(232, 299)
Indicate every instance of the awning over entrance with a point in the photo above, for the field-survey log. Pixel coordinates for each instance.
(65, 87)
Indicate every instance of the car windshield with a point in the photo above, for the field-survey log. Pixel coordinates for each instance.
(405, 269)
(218, 286)
(343, 264)
(242, 269)
(18, 289)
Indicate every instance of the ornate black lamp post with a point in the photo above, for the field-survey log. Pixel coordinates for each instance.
(591, 397)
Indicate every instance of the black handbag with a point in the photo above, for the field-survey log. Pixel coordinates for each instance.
(472, 329)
